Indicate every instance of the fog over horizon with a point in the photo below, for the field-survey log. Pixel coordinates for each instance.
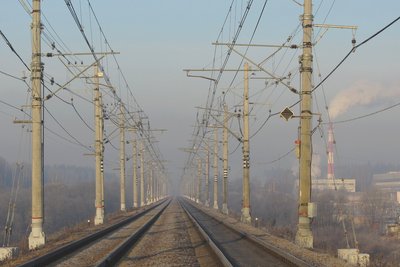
(157, 43)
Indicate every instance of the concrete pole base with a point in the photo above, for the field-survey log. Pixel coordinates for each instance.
(225, 209)
(123, 207)
(304, 240)
(36, 239)
(99, 218)
(304, 236)
(135, 205)
(8, 253)
(246, 218)
(207, 204)
(215, 205)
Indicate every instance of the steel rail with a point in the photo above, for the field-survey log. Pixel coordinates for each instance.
(55, 255)
(286, 257)
(225, 259)
(116, 255)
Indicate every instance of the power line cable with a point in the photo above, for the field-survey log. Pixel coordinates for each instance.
(13, 50)
(335, 68)
(353, 50)
(65, 130)
(366, 115)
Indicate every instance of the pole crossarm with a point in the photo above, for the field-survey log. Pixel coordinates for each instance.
(333, 26)
(280, 80)
(258, 45)
(217, 110)
(200, 76)
(239, 138)
(72, 79)
(220, 70)
(79, 54)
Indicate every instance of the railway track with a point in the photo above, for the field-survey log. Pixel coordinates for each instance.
(173, 233)
(83, 251)
(161, 236)
(235, 248)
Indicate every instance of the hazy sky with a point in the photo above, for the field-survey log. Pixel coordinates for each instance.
(157, 39)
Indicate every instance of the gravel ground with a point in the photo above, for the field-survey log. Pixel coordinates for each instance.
(316, 259)
(168, 243)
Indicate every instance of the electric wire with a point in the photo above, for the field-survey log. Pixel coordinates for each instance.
(66, 131)
(157, 156)
(353, 50)
(251, 40)
(334, 69)
(214, 85)
(124, 78)
(80, 117)
(13, 50)
(367, 115)
(12, 76)
(279, 158)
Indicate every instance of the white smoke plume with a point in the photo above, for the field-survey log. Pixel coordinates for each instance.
(362, 93)
(315, 167)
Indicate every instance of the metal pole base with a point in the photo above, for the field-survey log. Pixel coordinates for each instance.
(36, 238)
(246, 218)
(99, 219)
(225, 209)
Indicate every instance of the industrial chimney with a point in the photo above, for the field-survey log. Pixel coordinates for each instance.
(331, 143)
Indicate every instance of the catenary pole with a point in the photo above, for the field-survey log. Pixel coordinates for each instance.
(225, 162)
(246, 217)
(304, 236)
(215, 167)
(141, 173)
(102, 151)
(207, 175)
(122, 158)
(135, 180)
(199, 170)
(37, 237)
(99, 218)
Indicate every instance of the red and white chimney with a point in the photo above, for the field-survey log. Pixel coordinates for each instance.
(331, 143)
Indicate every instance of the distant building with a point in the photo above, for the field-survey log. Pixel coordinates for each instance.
(389, 182)
(348, 185)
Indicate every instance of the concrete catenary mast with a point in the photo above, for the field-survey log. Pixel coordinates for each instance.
(331, 143)
(199, 170)
(134, 168)
(215, 167)
(102, 151)
(141, 173)
(304, 236)
(207, 176)
(37, 236)
(225, 162)
(246, 217)
(122, 157)
(99, 217)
